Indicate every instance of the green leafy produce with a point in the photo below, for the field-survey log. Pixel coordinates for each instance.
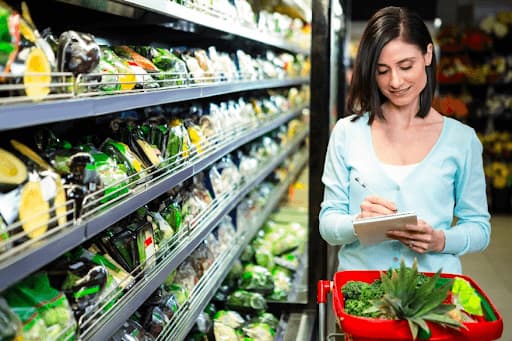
(246, 301)
(406, 300)
(180, 293)
(358, 307)
(353, 289)
(258, 279)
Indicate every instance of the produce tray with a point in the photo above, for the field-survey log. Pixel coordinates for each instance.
(489, 327)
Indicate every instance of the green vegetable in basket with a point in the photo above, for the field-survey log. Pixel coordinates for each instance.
(465, 295)
(404, 300)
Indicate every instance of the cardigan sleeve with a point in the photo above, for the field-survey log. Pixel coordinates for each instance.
(472, 231)
(336, 225)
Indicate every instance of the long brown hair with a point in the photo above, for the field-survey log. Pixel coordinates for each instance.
(385, 25)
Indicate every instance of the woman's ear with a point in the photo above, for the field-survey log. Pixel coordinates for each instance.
(428, 55)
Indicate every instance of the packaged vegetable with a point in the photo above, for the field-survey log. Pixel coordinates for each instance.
(174, 69)
(257, 279)
(9, 38)
(186, 276)
(51, 308)
(288, 260)
(114, 181)
(78, 52)
(266, 318)
(131, 331)
(149, 154)
(154, 321)
(104, 77)
(123, 155)
(146, 247)
(10, 324)
(229, 318)
(264, 257)
(202, 259)
(179, 292)
(121, 278)
(282, 279)
(126, 76)
(83, 282)
(223, 332)
(120, 244)
(162, 230)
(195, 134)
(246, 301)
(127, 52)
(178, 145)
(34, 209)
(259, 331)
(172, 213)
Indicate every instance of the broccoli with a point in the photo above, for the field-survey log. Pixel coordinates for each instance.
(359, 297)
(353, 289)
(360, 308)
(372, 291)
(355, 307)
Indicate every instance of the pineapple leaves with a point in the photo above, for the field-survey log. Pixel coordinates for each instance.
(422, 324)
(417, 298)
(414, 328)
(444, 320)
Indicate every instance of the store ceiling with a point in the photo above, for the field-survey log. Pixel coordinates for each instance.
(363, 9)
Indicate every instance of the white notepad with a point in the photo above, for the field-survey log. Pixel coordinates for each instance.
(373, 230)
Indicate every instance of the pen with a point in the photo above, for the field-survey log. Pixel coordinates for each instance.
(363, 184)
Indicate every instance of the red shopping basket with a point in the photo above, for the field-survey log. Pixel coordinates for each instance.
(489, 327)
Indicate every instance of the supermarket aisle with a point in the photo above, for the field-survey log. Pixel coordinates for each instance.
(491, 270)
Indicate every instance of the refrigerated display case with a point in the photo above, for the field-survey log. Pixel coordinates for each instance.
(75, 106)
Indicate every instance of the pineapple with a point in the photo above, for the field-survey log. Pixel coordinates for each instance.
(406, 298)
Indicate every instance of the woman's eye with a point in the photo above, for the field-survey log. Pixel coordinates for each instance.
(406, 67)
(381, 72)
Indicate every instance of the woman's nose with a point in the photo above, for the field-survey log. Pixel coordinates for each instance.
(395, 80)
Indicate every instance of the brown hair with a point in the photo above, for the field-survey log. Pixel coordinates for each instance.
(385, 25)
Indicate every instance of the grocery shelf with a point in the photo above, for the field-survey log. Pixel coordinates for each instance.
(19, 266)
(109, 323)
(206, 288)
(174, 10)
(107, 218)
(20, 115)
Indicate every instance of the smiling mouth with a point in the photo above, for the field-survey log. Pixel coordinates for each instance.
(400, 92)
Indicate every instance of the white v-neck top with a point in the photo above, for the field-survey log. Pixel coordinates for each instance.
(398, 172)
(448, 182)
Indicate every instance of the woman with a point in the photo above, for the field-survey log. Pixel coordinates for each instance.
(409, 155)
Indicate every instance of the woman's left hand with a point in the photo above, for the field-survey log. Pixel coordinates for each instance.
(420, 238)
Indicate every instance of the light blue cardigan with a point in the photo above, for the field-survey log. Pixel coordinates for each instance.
(448, 182)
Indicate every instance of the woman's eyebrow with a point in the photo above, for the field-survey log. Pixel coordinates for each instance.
(408, 59)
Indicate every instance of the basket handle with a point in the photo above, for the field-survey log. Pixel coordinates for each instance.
(323, 288)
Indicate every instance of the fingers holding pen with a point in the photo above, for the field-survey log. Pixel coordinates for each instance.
(374, 205)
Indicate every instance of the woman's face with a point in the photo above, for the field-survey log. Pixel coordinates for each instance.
(401, 74)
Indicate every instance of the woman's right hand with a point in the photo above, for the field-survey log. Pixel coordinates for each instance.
(373, 206)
